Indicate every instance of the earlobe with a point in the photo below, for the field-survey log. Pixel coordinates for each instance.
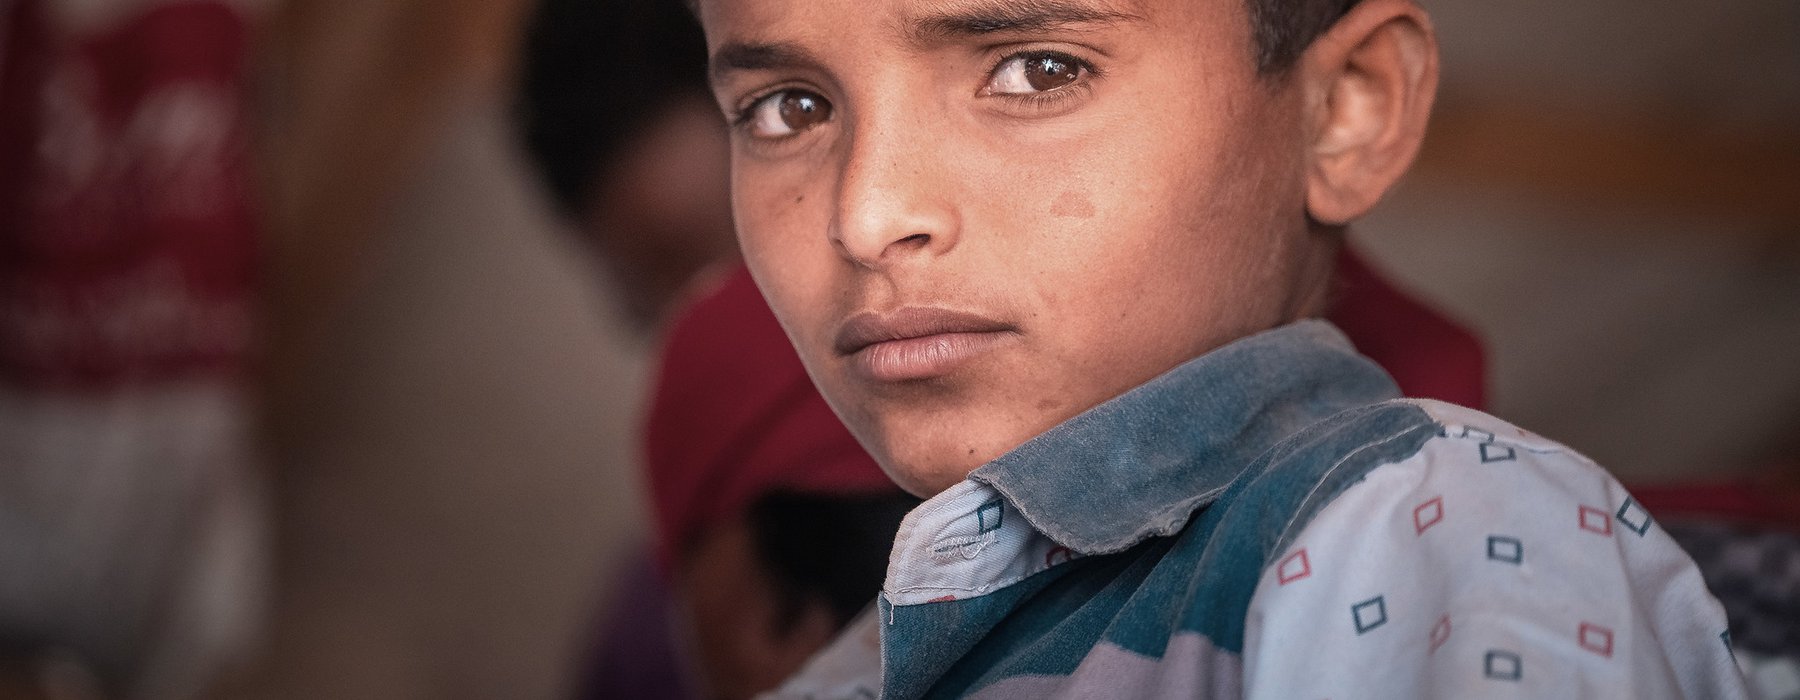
(1370, 82)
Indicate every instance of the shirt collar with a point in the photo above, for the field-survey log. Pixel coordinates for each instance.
(1140, 464)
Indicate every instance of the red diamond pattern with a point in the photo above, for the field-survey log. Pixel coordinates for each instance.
(1596, 639)
(1428, 514)
(1596, 521)
(1293, 568)
(1440, 633)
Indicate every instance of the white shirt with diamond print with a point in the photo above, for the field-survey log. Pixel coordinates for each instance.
(1493, 563)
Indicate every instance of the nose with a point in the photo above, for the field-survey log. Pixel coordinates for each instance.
(893, 205)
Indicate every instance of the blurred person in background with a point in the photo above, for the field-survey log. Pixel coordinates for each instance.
(615, 112)
(772, 525)
(448, 391)
(131, 522)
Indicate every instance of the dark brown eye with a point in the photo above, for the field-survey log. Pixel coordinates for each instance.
(801, 110)
(1049, 72)
(1029, 73)
(786, 113)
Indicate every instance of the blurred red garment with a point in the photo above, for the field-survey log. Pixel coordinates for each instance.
(735, 416)
(127, 246)
(1429, 355)
(1762, 502)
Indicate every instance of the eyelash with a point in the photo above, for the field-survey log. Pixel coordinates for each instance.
(741, 114)
(1049, 100)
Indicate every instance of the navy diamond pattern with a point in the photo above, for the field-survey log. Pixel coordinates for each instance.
(1634, 517)
(1495, 452)
(1502, 665)
(989, 515)
(1505, 549)
(1369, 614)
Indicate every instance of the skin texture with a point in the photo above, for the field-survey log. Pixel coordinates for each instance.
(1167, 200)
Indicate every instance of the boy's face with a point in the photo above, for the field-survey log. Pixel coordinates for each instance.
(979, 218)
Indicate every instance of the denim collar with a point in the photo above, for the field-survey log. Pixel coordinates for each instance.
(1141, 464)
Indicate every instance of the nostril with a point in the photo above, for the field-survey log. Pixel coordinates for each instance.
(917, 239)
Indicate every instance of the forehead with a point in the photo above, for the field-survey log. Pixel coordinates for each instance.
(776, 35)
(909, 20)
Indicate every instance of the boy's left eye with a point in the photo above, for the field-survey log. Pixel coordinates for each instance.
(785, 113)
(1029, 73)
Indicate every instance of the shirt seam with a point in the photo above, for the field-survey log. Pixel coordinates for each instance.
(1283, 539)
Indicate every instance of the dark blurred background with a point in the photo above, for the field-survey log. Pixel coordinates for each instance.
(363, 418)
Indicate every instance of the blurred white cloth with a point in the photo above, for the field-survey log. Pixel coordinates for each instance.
(132, 532)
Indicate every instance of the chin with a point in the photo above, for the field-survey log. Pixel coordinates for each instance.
(927, 482)
(928, 469)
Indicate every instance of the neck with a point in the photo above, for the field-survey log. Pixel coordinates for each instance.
(1316, 266)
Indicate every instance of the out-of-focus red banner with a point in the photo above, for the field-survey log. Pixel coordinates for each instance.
(127, 249)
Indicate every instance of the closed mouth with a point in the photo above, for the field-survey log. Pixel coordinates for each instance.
(915, 343)
(868, 328)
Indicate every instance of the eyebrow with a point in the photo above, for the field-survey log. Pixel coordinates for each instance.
(968, 19)
(754, 56)
(982, 17)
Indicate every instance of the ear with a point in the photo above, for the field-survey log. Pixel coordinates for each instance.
(1369, 81)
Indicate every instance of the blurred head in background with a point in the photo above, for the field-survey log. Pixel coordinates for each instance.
(615, 115)
(772, 522)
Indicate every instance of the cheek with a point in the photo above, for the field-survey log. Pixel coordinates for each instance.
(1072, 204)
(764, 209)
(1154, 225)
(781, 225)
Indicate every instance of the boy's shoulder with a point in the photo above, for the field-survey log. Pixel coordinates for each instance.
(1381, 536)
(1308, 470)
(1398, 472)
(1399, 469)
(1469, 556)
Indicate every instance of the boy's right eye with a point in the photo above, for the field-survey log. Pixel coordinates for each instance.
(785, 113)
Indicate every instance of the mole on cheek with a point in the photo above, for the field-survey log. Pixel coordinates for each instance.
(1072, 204)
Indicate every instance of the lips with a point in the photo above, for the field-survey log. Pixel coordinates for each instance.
(916, 342)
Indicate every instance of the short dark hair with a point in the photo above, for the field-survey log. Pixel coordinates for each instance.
(592, 75)
(1283, 29)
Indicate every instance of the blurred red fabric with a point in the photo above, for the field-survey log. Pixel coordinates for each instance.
(128, 252)
(1429, 355)
(734, 416)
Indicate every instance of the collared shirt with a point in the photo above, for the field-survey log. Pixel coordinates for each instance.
(1270, 520)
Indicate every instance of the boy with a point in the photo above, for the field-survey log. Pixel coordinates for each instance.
(1052, 260)
(773, 523)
